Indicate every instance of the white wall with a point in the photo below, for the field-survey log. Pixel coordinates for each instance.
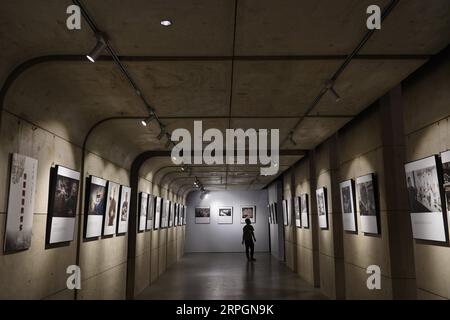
(216, 237)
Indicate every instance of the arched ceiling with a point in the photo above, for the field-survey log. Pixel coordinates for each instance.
(259, 65)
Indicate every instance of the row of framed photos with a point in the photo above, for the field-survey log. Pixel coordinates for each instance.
(356, 196)
(225, 214)
(158, 213)
(107, 206)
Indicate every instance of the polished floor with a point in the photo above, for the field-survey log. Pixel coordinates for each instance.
(229, 276)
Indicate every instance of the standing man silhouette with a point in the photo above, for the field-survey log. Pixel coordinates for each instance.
(248, 237)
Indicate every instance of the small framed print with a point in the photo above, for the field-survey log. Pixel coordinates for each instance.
(124, 210)
(158, 213)
(112, 205)
(225, 215)
(248, 212)
(21, 200)
(202, 215)
(347, 190)
(143, 211)
(367, 204)
(297, 209)
(322, 207)
(95, 207)
(275, 213)
(304, 206)
(63, 205)
(425, 199)
(285, 212)
(150, 213)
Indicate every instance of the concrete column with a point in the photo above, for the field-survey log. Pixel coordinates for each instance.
(337, 225)
(314, 218)
(399, 231)
(293, 226)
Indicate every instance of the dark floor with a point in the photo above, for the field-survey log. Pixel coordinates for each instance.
(229, 276)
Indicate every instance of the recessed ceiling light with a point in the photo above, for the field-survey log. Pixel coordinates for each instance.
(166, 23)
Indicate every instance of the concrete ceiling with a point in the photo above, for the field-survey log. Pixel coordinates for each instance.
(258, 65)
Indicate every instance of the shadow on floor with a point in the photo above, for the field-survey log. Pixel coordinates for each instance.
(228, 276)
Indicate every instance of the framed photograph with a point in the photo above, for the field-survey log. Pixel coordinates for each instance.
(248, 212)
(112, 205)
(158, 212)
(322, 207)
(165, 213)
(298, 218)
(275, 213)
(285, 212)
(367, 204)
(304, 206)
(225, 215)
(425, 199)
(21, 198)
(95, 207)
(445, 159)
(171, 214)
(347, 190)
(150, 212)
(63, 205)
(202, 215)
(175, 220)
(124, 210)
(143, 211)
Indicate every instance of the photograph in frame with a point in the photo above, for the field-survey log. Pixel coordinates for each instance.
(322, 207)
(63, 205)
(424, 194)
(297, 210)
(150, 213)
(158, 212)
(95, 207)
(347, 194)
(21, 201)
(143, 211)
(112, 205)
(248, 212)
(202, 215)
(285, 212)
(124, 210)
(225, 215)
(367, 204)
(171, 214)
(304, 207)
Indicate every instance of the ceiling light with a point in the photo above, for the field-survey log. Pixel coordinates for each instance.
(291, 138)
(98, 49)
(329, 85)
(161, 133)
(146, 122)
(338, 98)
(174, 158)
(166, 23)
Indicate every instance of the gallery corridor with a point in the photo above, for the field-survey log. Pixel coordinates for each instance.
(228, 276)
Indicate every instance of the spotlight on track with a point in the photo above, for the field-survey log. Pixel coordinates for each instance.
(162, 133)
(98, 49)
(145, 122)
(329, 85)
(291, 138)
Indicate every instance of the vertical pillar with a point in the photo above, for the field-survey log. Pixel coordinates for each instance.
(293, 221)
(337, 225)
(399, 229)
(314, 218)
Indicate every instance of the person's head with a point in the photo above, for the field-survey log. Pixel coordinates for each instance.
(248, 221)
